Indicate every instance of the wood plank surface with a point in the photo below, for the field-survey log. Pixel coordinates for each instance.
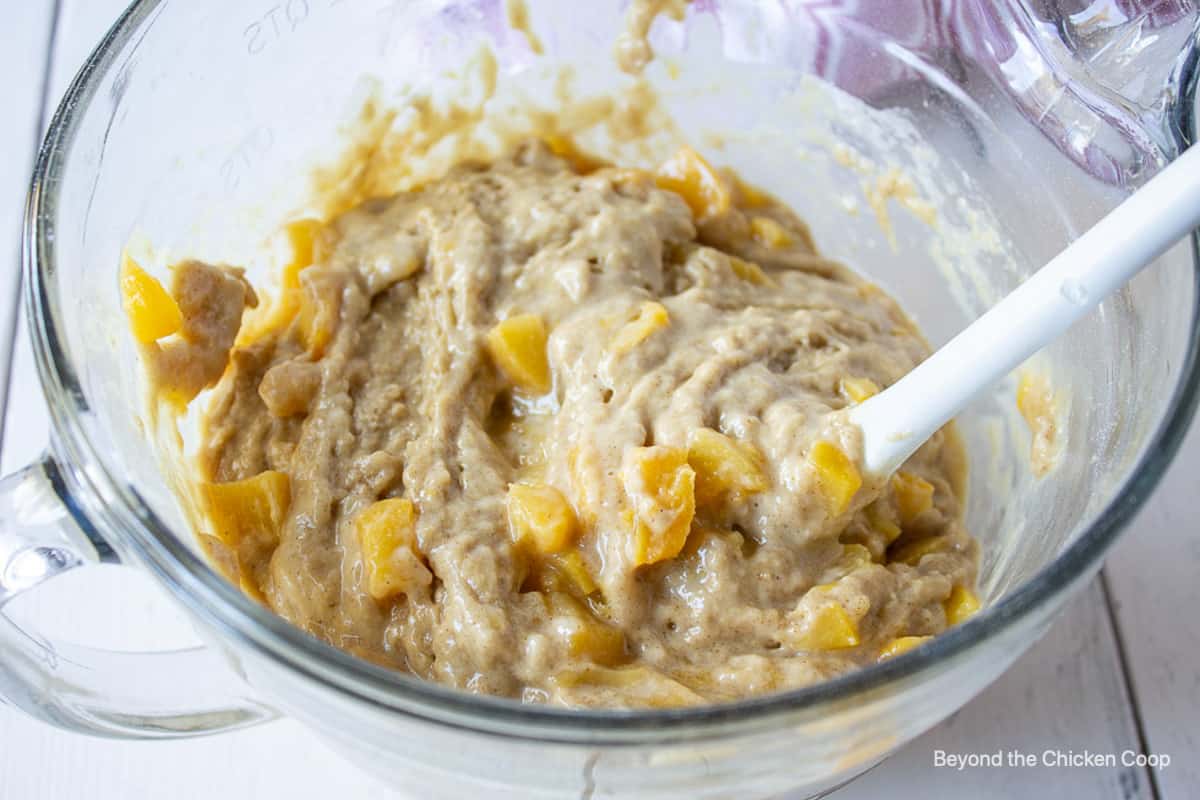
(1154, 575)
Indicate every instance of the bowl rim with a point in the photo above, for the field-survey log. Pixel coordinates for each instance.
(102, 501)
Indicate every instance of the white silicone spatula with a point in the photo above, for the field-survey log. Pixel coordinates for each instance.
(899, 419)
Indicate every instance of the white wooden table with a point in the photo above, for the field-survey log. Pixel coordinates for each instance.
(1119, 671)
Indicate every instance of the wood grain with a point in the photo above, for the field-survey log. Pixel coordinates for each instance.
(1154, 577)
(1066, 693)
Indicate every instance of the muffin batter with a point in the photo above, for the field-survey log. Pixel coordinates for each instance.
(566, 432)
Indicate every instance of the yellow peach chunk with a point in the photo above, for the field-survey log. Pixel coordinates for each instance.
(387, 535)
(247, 516)
(1037, 403)
(540, 518)
(900, 645)
(750, 197)
(599, 642)
(662, 489)
(724, 468)
(300, 238)
(252, 509)
(586, 636)
(583, 466)
(911, 552)
(518, 347)
(858, 389)
(300, 246)
(749, 272)
(641, 685)
(853, 557)
(319, 312)
(566, 148)
(914, 495)
(830, 627)
(651, 317)
(571, 566)
(960, 605)
(152, 312)
(1034, 397)
(837, 476)
(770, 233)
(589, 674)
(880, 520)
(694, 179)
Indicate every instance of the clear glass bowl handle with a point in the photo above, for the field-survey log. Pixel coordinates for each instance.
(159, 695)
(1105, 81)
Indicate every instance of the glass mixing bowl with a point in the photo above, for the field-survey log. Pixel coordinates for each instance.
(189, 128)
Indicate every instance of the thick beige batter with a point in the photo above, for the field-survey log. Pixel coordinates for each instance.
(663, 510)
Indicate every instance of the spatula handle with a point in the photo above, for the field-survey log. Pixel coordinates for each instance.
(897, 421)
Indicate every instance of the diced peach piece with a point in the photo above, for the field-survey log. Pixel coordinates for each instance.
(152, 312)
(830, 627)
(643, 685)
(540, 518)
(662, 489)
(837, 476)
(586, 636)
(599, 642)
(571, 566)
(749, 271)
(583, 466)
(566, 148)
(518, 347)
(750, 197)
(912, 552)
(387, 535)
(858, 389)
(1034, 397)
(879, 518)
(694, 179)
(590, 674)
(770, 233)
(300, 236)
(250, 510)
(724, 468)
(900, 645)
(320, 309)
(960, 605)
(651, 317)
(914, 495)
(300, 243)
(853, 557)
